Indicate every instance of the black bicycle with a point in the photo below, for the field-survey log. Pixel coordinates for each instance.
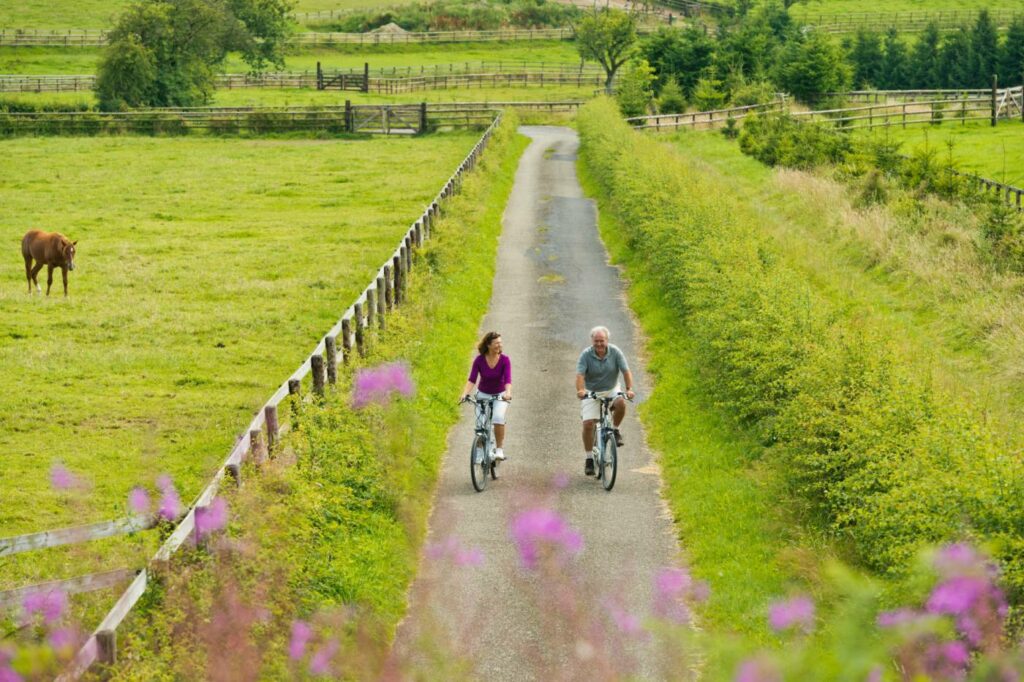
(481, 462)
(607, 460)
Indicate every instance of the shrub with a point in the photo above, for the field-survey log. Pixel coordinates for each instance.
(671, 100)
(635, 92)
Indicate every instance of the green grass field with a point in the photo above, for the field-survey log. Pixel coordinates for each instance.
(207, 269)
(993, 153)
(98, 14)
(50, 61)
(805, 8)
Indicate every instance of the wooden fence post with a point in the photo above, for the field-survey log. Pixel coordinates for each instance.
(995, 92)
(256, 450)
(371, 306)
(389, 293)
(419, 234)
(316, 362)
(319, 77)
(235, 473)
(106, 647)
(270, 417)
(423, 117)
(381, 303)
(407, 264)
(294, 390)
(346, 337)
(360, 330)
(350, 124)
(396, 267)
(366, 76)
(331, 351)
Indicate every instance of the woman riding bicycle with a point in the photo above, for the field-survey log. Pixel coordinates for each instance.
(494, 372)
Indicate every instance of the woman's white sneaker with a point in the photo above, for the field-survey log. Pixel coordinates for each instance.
(499, 454)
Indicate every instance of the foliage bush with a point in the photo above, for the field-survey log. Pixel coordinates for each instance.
(635, 91)
(458, 15)
(886, 460)
(671, 99)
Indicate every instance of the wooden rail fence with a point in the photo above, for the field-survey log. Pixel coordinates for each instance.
(387, 290)
(371, 119)
(701, 119)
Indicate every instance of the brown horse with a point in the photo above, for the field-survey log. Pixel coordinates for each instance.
(51, 249)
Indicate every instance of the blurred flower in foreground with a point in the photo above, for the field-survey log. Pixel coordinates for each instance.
(301, 634)
(320, 664)
(7, 673)
(379, 384)
(211, 518)
(536, 528)
(450, 548)
(170, 503)
(673, 587)
(795, 612)
(138, 501)
(627, 623)
(61, 478)
(50, 605)
(757, 670)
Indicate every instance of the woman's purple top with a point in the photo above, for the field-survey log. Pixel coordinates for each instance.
(493, 380)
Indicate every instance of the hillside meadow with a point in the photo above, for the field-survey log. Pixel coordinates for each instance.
(206, 270)
(810, 8)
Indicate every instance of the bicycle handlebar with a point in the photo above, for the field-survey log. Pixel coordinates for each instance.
(594, 396)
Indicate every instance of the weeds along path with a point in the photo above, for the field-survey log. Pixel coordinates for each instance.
(552, 285)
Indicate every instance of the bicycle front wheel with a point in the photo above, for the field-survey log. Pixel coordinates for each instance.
(609, 462)
(479, 463)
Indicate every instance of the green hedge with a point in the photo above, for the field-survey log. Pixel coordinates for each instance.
(886, 460)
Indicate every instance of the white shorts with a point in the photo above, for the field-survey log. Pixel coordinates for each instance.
(499, 409)
(590, 408)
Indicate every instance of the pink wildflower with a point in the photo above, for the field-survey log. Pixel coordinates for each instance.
(164, 482)
(50, 605)
(378, 384)
(537, 527)
(7, 674)
(757, 670)
(958, 558)
(891, 619)
(469, 557)
(626, 622)
(62, 639)
(61, 478)
(672, 582)
(301, 634)
(946, 660)
(138, 501)
(977, 605)
(321, 661)
(211, 518)
(170, 503)
(798, 611)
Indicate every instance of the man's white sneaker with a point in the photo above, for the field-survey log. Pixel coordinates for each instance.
(499, 454)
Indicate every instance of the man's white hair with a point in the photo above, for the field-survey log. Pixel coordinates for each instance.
(599, 329)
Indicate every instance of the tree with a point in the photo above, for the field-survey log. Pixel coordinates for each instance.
(1011, 56)
(984, 50)
(606, 37)
(682, 55)
(166, 52)
(955, 59)
(709, 93)
(635, 91)
(895, 67)
(811, 68)
(867, 58)
(924, 60)
(671, 99)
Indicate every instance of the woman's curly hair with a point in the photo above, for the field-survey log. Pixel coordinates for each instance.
(485, 343)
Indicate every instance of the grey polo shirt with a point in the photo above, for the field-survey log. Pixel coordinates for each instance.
(601, 374)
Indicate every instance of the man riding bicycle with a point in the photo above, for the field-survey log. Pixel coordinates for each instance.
(597, 371)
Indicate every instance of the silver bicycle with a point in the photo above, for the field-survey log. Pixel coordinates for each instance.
(607, 460)
(482, 464)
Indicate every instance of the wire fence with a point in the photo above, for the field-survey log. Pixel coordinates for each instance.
(905, 21)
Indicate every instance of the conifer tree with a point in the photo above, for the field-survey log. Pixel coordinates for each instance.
(956, 58)
(867, 57)
(1011, 54)
(925, 65)
(984, 50)
(894, 66)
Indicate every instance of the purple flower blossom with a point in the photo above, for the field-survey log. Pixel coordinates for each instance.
(757, 670)
(875, 675)
(164, 482)
(321, 661)
(671, 587)
(626, 622)
(301, 634)
(378, 384)
(672, 583)
(170, 503)
(62, 639)
(469, 557)
(538, 527)
(891, 619)
(946, 660)
(798, 611)
(7, 674)
(138, 501)
(61, 478)
(50, 605)
(958, 558)
(211, 518)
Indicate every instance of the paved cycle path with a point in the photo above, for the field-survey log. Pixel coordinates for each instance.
(552, 285)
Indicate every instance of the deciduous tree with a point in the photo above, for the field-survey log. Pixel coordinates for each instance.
(607, 37)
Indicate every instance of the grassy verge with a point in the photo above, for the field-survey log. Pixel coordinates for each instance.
(726, 506)
(206, 268)
(334, 525)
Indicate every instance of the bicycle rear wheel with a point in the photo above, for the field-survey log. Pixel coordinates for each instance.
(609, 462)
(479, 463)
